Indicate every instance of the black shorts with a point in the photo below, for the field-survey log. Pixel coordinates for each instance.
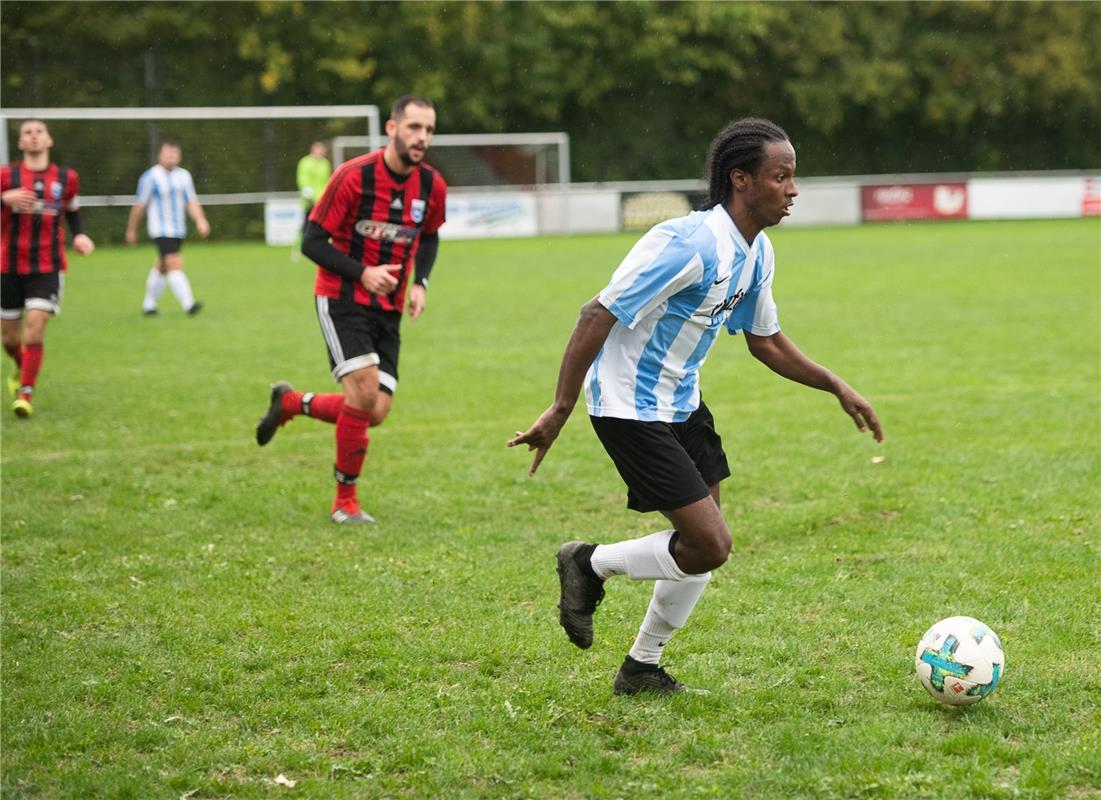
(41, 290)
(666, 465)
(358, 337)
(167, 246)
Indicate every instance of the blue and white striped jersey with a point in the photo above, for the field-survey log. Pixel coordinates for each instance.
(165, 195)
(673, 292)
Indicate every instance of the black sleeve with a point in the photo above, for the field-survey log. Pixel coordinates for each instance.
(317, 247)
(76, 227)
(425, 258)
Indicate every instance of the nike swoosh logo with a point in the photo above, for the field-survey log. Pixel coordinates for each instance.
(721, 281)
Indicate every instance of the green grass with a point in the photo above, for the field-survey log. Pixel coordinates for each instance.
(180, 619)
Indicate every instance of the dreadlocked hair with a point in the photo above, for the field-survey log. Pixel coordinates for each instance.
(740, 145)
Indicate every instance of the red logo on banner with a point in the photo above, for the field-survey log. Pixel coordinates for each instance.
(1091, 199)
(914, 201)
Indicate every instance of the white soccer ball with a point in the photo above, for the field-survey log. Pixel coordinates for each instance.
(960, 661)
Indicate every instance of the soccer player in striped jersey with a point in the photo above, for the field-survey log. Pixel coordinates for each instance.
(637, 350)
(374, 227)
(34, 193)
(165, 194)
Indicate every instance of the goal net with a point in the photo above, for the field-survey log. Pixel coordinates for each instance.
(242, 158)
(499, 184)
(486, 160)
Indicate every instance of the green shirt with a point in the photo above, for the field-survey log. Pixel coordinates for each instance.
(313, 174)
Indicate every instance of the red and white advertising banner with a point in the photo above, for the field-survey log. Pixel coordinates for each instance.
(1091, 197)
(899, 201)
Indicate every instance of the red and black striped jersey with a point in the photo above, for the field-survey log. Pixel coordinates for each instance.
(33, 241)
(377, 218)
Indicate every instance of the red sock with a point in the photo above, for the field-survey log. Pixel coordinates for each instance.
(32, 361)
(325, 407)
(16, 353)
(351, 449)
(292, 405)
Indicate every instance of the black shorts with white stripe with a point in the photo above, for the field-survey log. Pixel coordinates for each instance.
(358, 336)
(38, 290)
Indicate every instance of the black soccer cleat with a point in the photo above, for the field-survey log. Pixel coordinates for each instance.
(270, 422)
(635, 677)
(196, 307)
(579, 596)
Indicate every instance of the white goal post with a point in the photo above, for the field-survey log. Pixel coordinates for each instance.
(368, 113)
(243, 158)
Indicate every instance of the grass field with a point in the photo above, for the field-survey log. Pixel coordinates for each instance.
(180, 619)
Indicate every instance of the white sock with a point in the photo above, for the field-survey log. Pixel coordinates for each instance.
(181, 287)
(642, 559)
(154, 288)
(670, 606)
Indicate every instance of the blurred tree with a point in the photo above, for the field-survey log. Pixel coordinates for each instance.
(640, 87)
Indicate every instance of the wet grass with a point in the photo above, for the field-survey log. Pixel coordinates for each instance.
(181, 620)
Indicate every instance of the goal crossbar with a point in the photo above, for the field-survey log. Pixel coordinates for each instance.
(558, 139)
(369, 112)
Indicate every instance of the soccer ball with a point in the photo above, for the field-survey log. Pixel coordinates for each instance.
(960, 661)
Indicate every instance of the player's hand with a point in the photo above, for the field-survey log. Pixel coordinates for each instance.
(83, 244)
(416, 301)
(203, 227)
(131, 236)
(382, 279)
(540, 436)
(20, 199)
(860, 410)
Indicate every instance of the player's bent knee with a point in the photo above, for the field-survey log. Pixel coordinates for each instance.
(720, 549)
(360, 390)
(713, 550)
(381, 409)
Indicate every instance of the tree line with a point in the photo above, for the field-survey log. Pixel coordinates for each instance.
(640, 87)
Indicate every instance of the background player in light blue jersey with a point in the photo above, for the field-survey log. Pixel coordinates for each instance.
(637, 349)
(166, 195)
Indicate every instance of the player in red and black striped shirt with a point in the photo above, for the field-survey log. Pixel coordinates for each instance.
(374, 227)
(34, 194)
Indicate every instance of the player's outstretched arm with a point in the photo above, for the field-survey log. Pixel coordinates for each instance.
(589, 335)
(779, 353)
